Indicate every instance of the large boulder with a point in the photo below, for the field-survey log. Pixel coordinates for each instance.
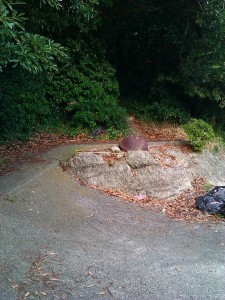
(140, 158)
(117, 177)
(82, 160)
(94, 170)
(87, 165)
(140, 172)
(161, 182)
(208, 166)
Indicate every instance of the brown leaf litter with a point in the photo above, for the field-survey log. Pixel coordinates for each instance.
(181, 208)
(157, 132)
(40, 142)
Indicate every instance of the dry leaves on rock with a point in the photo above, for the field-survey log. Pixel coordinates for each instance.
(162, 157)
(165, 159)
(182, 208)
(41, 142)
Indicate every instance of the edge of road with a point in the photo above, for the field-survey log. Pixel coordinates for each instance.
(28, 172)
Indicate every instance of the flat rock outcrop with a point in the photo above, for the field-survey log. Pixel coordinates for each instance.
(152, 173)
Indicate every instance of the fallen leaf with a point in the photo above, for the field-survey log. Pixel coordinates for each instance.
(64, 296)
(15, 286)
(27, 294)
(88, 286)
(101, 293)
(55, 279)
(141, 197)
(43, 293)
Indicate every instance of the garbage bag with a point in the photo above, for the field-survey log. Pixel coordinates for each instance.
(213, 202)
(98, 131)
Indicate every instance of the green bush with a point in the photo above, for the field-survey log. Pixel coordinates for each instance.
(88, 93)
(160, 111)
(23, 105)
(167, 110)
(165, 105)
(83, 95)
(134, 105)
(199, 133)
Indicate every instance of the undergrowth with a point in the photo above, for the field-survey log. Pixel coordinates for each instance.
(199, 133)
(164, 110)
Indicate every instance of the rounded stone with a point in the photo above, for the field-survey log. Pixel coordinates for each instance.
(133, 142)
(115, 149)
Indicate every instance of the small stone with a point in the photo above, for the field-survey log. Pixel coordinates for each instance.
(119, 156)
(141, 196)
(115, 149)
(70, 163)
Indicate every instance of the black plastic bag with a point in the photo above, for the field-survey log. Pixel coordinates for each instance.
(213, 202)
(98, 131)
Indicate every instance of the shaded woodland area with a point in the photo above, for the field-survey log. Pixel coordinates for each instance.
(79, 64)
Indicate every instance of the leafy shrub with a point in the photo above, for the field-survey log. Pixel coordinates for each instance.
(167, 110)
(164, 104)
(89, 94)
(31, 51)
(161, 105)
(199, 133)
(23, 105)
(161, 111)
(135, 106)
(115, 134)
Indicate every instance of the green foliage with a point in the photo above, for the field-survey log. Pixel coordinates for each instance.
(135, 105)
(2, 161)
(9, 197)
(203, 72)
(165, 107)
(114, 134)
(170, 52)
(23, 105)
(166, 110)
(10, 19)
(65, 128)
(178, 44)
(89, 94)
(61, 20)
(208, 186)
(36, 53)
(33, 52)
(199, 133)
(54, 3)
(86, 11)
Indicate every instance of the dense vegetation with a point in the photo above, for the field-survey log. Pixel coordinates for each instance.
(78, 62)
